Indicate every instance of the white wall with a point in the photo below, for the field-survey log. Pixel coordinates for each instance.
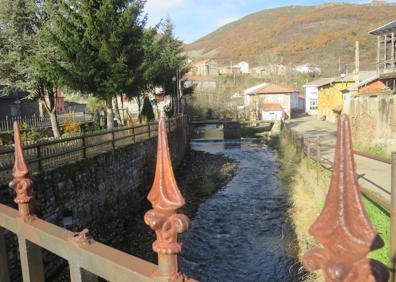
(271, 115)
(311, 92)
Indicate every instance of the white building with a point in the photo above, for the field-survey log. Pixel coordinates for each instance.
(311, 94)
(267, 97)
(244, 67)
(272, 112)
(307, 68)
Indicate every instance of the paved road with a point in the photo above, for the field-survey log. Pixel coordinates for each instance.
(373, 175)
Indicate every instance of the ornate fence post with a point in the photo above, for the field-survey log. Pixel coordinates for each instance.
(30, 254)
(166, 198)
(343, 228)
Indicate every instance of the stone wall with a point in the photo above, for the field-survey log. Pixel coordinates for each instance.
(94, 191)
(374, 120)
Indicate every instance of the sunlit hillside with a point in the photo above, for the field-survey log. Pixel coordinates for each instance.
(323, 35)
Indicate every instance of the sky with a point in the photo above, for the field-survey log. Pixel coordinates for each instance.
(196, 18)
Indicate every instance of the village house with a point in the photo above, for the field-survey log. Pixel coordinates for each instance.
(206, 68)
(243, 67)
(386, 59)
(307, 68)
(311, 94)
(331, 97)
(201, 83)
(259, 97)
(18, 104)
(229, 70)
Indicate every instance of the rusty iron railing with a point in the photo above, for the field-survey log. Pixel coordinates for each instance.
(81, 251)
(343, 227)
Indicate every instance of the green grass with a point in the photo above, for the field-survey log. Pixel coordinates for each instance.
(376, 150)
(381, 221)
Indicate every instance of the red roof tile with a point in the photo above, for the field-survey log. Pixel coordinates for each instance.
(272, 107)
(274, 89)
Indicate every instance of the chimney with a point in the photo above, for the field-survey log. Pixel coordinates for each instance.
(357, 62)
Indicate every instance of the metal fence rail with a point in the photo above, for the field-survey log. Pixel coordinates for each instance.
(84, 255)
(312, 150)
(50, 154)
(42, 122)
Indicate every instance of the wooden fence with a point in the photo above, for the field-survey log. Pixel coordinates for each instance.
(42, 122)
(50, 154)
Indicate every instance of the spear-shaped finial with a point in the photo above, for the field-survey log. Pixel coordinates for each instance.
(343, 228)
(21, 182)
(166, 198)
(165, 195)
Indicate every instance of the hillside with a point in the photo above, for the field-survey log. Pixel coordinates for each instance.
(299, 34)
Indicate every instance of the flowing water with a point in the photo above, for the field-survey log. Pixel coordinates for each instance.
(242, 232)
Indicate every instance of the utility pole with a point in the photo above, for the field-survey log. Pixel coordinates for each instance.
(357, 62)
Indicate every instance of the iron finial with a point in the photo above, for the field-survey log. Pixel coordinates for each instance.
(343, 227)
(166, 198)
(21, 182)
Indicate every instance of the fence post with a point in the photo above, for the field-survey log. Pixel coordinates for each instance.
(302, 148)
(393, 218)
(148, 128)
(4, 275)
(40, 164)
(133, 134)
(112, 140)
(318, 160)
(84, 147)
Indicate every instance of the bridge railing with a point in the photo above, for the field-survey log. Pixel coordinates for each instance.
(85, 255)
(43, 155)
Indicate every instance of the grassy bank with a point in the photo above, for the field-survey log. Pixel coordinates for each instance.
(307, 196)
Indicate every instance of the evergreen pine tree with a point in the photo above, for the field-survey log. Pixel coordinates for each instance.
(100, 43)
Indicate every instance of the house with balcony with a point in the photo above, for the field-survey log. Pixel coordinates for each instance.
(206, 68)
(386, 48)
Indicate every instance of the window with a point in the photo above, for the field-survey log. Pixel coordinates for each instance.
(313, 104)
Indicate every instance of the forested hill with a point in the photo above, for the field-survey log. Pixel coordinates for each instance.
(299, 34)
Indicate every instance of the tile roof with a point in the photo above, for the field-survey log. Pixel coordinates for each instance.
(320, 82)
(272, 107)
(269, 88)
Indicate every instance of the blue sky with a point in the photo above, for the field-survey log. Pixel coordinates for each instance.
(196, 18)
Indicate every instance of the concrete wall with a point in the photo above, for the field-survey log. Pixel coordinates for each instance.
(374, 120)
(96, 191)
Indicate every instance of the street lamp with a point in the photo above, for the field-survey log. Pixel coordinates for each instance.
(174, 94)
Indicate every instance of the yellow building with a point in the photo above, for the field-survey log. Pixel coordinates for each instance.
(331, 98)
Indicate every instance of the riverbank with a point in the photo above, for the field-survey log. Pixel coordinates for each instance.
(307, 197)
(199, 176)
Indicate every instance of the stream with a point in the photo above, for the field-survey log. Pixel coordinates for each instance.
(242, 232)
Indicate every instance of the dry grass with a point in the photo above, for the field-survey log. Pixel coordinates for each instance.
(306, 197)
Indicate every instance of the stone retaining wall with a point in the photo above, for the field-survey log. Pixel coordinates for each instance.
(374, 120)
